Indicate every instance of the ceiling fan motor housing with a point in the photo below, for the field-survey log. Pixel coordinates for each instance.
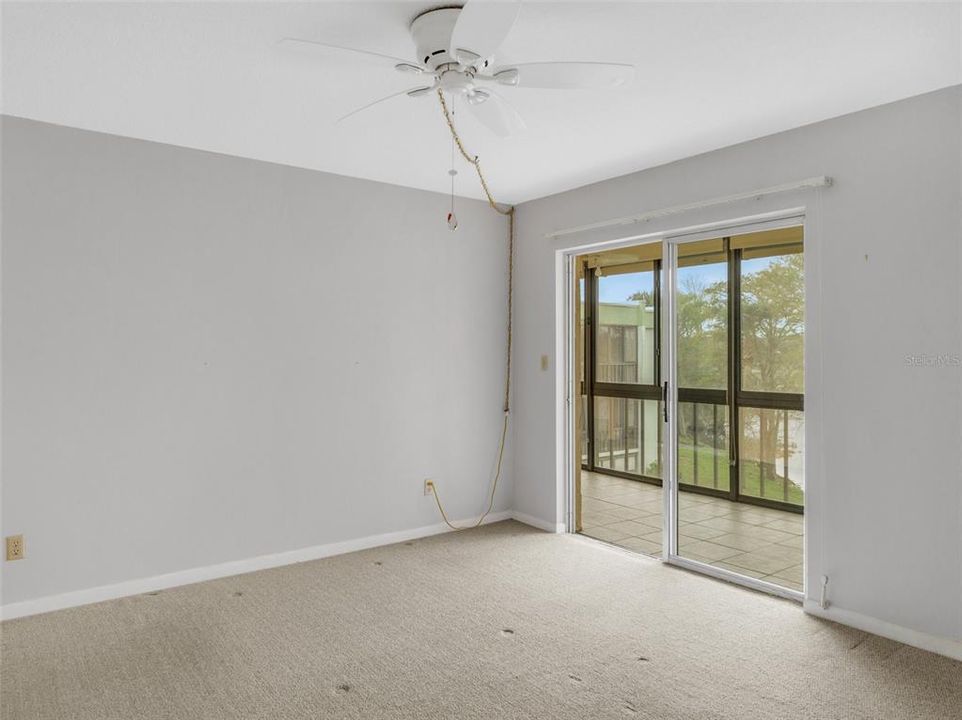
(432, 32)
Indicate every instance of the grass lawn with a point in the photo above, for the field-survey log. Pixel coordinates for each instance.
(749, 479)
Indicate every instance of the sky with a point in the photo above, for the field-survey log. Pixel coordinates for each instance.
(618, 288)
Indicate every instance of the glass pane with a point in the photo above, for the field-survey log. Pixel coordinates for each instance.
(773, 323)
(703, 458)
(702, 318)
(650, 438)
(605, 431)
(584, 430)
(771, 454)
(625, 337)
(628, 436)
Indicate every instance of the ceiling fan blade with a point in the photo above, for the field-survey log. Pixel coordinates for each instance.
(413, 92)
(352, 55)
(567, 75)
(498, 115)
(482, 26)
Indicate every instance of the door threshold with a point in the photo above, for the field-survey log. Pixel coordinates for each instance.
(736, 579)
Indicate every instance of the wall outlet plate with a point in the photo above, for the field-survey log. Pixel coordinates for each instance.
(15, 547)
(428, 484)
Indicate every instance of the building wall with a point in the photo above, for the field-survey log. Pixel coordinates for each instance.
(207, 359)
(882, 252)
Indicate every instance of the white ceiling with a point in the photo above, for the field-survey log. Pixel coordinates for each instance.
(210, 75)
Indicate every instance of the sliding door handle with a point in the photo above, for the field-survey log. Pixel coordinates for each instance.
(664, 399)
(733, 439)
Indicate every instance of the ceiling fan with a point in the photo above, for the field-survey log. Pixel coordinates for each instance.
(456, 49)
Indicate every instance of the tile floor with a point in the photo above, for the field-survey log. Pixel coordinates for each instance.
(750, 540)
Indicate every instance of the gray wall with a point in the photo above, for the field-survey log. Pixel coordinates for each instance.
(883, 283)
(207, 358)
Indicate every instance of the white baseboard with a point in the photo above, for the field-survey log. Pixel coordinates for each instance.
(538, 522)
(942, 646)
(236, 567)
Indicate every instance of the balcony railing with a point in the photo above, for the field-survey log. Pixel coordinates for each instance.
(617, 372)
(768, 447)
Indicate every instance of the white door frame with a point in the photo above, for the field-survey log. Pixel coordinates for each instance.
(671, 238)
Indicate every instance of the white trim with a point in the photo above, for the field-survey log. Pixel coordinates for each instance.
(819, 181)
(564, 393)
(566, 378)
(227, 569)
(539, 523)
(943, 646)
(565, 383)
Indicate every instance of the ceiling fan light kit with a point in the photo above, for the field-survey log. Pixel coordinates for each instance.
(478, 97)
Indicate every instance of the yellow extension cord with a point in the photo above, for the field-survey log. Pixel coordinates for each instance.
(509, 212)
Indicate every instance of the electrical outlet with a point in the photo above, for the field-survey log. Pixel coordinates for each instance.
(428, 486)
(544, 362)
(15, 547)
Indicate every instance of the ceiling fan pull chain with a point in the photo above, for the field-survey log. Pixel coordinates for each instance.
(452, 218)
(473, 160)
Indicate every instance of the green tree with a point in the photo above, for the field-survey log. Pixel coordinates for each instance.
(773, 326)
(702, 317)
(772, 339)
(772, 345)
(643, 298)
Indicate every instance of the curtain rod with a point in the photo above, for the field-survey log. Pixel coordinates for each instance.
(812, 182)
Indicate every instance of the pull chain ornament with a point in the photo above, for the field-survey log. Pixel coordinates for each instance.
(452, 218)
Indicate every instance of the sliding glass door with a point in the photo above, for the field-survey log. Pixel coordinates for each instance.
(714, 324)
(734, 382)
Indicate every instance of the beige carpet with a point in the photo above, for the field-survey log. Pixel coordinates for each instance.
(501, 622)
